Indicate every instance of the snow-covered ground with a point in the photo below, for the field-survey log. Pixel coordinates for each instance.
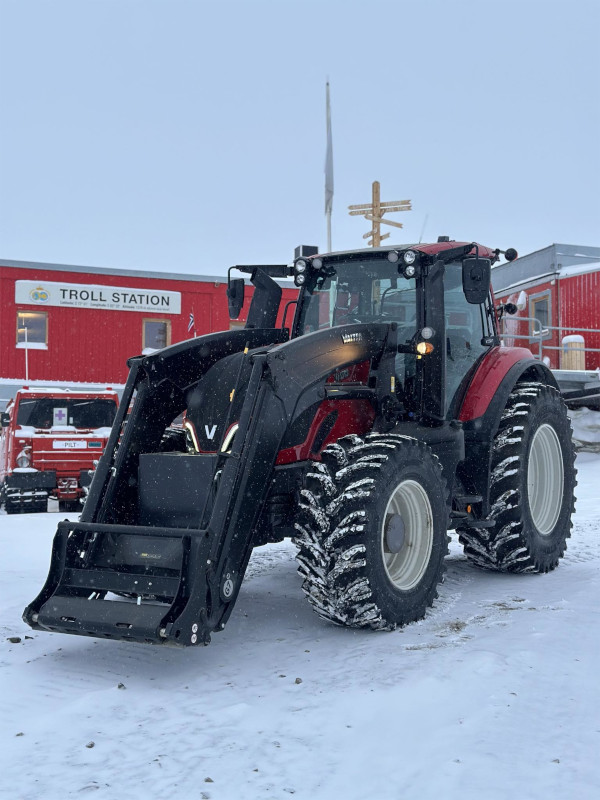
(495, 695)
(586, 429)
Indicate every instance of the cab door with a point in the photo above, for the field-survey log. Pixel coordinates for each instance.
(468, 337)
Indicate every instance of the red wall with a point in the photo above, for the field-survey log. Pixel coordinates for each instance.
(93, 345)
(579, 298)
(574, 302)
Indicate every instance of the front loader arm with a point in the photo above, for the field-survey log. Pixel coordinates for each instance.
(183, 580)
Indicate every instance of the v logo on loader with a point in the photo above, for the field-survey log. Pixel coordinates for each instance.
(210, 432)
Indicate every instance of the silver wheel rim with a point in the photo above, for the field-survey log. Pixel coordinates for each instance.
(545, 479)
(406, 567)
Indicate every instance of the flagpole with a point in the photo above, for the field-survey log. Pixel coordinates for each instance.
(26, 356)
(328, 170)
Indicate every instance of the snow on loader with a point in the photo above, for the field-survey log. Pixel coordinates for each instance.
(388, 414)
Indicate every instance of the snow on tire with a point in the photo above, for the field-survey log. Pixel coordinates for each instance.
(372, 531)
(532, 482)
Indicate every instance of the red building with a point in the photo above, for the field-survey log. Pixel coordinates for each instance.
(81, 324)
(557, 293)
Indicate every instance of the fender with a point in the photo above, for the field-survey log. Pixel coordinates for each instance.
(482, 408)
(490, 379)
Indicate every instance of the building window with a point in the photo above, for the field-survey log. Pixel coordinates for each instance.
(156, 333)
(32, 329)
(540, 311)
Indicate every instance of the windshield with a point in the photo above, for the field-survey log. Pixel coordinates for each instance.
(47, 412)
(360, 291)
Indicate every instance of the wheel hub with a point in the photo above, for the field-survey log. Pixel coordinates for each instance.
(407, 535)
(545, 479)
(394, 533)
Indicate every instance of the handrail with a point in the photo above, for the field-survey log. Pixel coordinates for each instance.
(535, 334)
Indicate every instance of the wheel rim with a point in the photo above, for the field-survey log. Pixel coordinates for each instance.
(545, 479)
(406, 567)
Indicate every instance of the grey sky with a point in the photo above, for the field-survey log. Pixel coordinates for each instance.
(186, 136)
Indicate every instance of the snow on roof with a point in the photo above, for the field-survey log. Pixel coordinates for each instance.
(125, 273)
(10, 386)
(575, 269)
(57, 390)
(524, 284)
(563, 272)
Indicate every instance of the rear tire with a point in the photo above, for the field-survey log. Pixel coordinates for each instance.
(372, 531)
(532, 482)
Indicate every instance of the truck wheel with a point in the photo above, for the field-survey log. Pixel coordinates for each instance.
(532, 480)
(372, 531)
(69, 506)
(40, 506)
(12, 507)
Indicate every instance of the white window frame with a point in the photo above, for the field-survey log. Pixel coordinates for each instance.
(148, 346)
(32, 345)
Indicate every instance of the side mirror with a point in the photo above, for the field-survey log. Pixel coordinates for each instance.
(5, 419)
(476, 276)
(235, 297)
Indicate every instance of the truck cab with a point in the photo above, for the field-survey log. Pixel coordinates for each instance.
(50, 441)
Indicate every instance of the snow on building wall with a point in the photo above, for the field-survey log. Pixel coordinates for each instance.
(81, 324)
(557, 290)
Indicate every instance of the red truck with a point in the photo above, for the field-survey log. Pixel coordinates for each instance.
(49, 441)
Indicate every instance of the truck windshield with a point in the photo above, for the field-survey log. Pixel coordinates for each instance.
(359, 291)
(47, 412)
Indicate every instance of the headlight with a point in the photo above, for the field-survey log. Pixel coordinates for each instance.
(409, 271)
(393, 256)
(317, 263)
(229, 438)
(299, 279)
(23, 459)
(300, 265)
(190, 435)
(427, 333)
(409, 256)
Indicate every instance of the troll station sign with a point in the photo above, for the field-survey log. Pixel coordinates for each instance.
(79, 295)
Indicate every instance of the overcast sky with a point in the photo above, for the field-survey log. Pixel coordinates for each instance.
(186, 136)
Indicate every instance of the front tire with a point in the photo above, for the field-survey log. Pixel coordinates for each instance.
(372, 531)
(12, 507)
(532, 482)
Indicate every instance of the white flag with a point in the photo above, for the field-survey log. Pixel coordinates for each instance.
(328, 162)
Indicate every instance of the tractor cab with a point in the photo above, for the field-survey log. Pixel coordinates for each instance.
(435, 297)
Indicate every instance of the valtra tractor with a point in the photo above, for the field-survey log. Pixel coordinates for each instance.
(387, 413)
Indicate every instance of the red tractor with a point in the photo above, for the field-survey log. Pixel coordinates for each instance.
(386, 414)
(50, 440)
